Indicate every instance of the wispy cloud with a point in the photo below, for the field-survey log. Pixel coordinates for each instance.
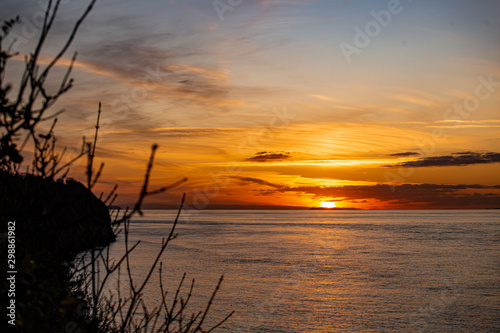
(405, 154)
(457, 159)
(327, 98)
(155, 71)
(246, 180)
(491, 123)
(265, 156)
(161, 71)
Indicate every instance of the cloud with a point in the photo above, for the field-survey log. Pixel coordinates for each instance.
(327, 98)
(173, 62)
(408, 153)
(246, 180)
(265, 156)
(160, 71)
(456, 159)
(400, 196)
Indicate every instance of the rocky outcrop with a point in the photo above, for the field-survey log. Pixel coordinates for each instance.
(62, 218)
(54, 220)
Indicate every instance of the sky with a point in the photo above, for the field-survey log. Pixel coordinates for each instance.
(357, 104)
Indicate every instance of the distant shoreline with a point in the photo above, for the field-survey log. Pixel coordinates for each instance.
(268, 207)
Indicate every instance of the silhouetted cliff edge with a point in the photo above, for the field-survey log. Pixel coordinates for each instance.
(54, 220)
(55, 216)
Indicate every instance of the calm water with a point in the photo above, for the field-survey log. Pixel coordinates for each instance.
(333, 271)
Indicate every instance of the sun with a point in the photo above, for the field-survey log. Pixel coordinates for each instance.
(327, 204)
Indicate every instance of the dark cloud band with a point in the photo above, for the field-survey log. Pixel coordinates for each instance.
(456, 159)
(266, 156)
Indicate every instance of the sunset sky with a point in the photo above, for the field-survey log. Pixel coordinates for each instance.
(367, 104)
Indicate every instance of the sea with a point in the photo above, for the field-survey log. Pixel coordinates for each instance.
(327, 270)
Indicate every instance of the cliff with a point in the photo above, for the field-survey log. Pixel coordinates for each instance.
(62, 218)
(54, 220)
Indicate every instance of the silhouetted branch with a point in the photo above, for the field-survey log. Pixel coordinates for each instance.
(144, 190)
(32, 100)
(21, 111)
(91, 154)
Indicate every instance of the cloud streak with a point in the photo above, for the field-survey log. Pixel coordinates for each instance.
(246, 180)
(265, 156)
(405, 154)
(456, 159)
(400, 196)
(160, 71)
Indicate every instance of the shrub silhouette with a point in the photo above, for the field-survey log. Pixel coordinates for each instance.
(59, 288)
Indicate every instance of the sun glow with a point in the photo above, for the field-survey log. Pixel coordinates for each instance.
(327, 204)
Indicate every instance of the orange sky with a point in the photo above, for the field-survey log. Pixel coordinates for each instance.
(262, 106)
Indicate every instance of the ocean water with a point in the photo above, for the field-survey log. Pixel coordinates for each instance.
(331, 271)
